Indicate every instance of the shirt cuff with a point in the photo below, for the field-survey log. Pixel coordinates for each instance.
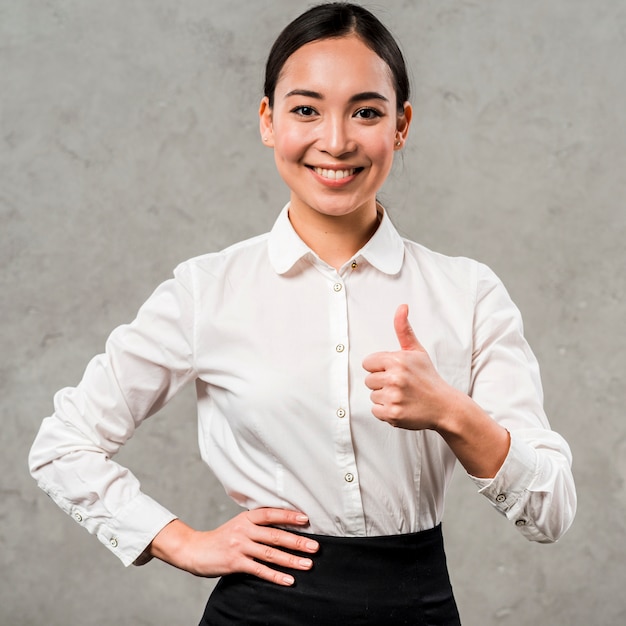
(134, 527)
(513, 479)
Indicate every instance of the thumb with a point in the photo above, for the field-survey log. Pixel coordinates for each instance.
(404, 332)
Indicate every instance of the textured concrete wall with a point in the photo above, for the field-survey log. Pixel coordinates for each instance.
(129, 143)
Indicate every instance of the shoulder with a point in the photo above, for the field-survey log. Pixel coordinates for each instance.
(242, 255)
(454, 276)
(454, 268)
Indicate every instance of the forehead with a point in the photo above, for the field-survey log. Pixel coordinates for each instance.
(330, 64)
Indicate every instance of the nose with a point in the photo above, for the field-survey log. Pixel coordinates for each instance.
(336, 138)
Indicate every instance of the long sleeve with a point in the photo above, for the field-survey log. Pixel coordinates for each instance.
(144, 364)
(280, 430)
(534, 488)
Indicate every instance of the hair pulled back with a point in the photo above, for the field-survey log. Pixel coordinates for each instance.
(331, 20)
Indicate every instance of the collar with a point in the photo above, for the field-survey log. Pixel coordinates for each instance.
(384, 251)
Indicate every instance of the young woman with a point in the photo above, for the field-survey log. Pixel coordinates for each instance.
(331, 411)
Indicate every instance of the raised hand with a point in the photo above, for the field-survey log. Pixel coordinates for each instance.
(407, 391)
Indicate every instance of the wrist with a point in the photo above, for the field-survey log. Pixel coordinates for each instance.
(454, 410)
(171, 543)
(479, 442)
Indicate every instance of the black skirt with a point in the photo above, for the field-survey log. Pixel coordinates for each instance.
(379, 581)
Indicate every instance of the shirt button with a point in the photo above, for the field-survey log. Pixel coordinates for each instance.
(113, 542)
(337, 286)
(341, 412)
(354, 265)
(500, 498)
(78, 517)
(520, 522)
(349, 477)
(340, 347)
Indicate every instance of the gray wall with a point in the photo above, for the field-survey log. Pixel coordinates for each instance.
(129, 143)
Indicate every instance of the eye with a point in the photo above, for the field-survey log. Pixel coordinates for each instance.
(304, 111)
(367, 113)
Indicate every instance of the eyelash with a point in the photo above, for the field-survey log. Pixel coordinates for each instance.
(370, 110)
(299, 110)
(372, 113)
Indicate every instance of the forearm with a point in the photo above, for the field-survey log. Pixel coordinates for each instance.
(169, 545)
(479, 443)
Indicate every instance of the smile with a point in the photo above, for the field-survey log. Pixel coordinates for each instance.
(336, 174)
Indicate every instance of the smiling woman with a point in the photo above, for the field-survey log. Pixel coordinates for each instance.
(334, 127)
(328, 415)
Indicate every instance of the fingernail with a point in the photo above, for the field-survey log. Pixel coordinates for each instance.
(288, 580)
(312, 545)
(306, 562)
(302, 518)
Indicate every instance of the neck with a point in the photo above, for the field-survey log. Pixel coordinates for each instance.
(335, 239)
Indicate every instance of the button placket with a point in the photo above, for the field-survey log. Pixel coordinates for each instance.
(339, 289)
(340, 375)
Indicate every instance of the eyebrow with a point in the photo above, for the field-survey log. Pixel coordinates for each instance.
(357, 97)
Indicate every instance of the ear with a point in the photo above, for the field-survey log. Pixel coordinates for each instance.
(266, 125)
(402, 125)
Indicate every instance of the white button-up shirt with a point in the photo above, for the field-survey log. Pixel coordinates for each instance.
(274, 339)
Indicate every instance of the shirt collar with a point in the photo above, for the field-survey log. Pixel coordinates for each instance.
(384, 251)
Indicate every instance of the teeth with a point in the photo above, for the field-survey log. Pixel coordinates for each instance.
(334, 174)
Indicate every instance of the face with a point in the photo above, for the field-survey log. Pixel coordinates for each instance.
(334, 127)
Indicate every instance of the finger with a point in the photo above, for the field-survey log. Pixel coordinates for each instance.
(260, 554)
(390, 398)
(376, 397)
(268, 554)
(374, 381)
(378, 411)
(375, 362)
(284, 539)
(258, 569)
(277, 517)
(404, 332)
(264, 531)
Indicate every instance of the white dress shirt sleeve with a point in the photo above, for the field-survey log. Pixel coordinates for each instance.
(143, 366)
(534, 488)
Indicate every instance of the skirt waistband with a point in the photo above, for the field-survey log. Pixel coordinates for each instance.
(397, 579)
(422, 538)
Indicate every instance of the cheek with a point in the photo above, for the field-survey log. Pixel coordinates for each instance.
(289, 144)
(381, 152)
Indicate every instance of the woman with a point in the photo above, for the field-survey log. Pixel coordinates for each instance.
(328, 415)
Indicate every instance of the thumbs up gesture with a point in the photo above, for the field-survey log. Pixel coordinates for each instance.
(407, 391)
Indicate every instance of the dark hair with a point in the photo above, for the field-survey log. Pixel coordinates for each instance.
(337, 19)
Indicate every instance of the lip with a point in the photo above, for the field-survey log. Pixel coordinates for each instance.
(334, 176)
